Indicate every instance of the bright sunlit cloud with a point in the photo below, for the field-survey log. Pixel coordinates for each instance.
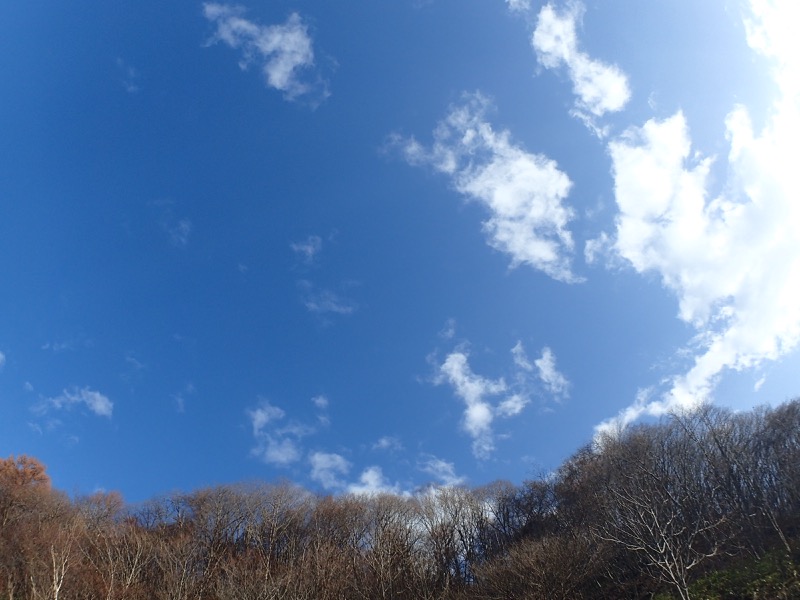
(731, 257)
(524, 193)
(600, 88)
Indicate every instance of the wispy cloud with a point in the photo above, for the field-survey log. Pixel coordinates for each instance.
(129, 76)
(554, 381)
(322, 403)
(388, 442)
(2, 360)
(524, 193)
(448, 332)
(442, 471)
(328, 469)
(178, 232)
(325, 301)
(96, 402)
(544, 368)
(308, 249)
(600, 88)
(180, 397)
(177, 229)
(732, 260)
(519, 5)
(276, 443)
(284, 53)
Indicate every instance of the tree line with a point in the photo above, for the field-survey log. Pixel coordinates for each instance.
(652, 509)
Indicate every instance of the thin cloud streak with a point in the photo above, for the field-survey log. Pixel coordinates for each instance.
(96, 402)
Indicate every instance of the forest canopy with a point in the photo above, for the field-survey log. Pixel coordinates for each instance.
(703, 504)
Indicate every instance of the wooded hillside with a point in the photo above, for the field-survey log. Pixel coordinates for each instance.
(701, 505)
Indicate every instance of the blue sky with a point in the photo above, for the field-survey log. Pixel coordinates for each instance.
(370, 246)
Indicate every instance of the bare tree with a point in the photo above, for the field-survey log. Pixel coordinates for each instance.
(661, 501)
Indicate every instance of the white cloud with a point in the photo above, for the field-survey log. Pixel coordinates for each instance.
(388, 442)
(476, 391)
(732, 260)
(281, 451)
(129, 76)
(512, 405)
(327, 469)
(321, 401)
(325, 301)
(276, 445)
(473, 389)
(554, 381)
(2, 360)
(308, 249)
(444, 472)
(523, 192)
(518, 5)
(600, 88)
(178, 232)
(520, 358)
(372, 482)
(180, 397)
(263, 415)
(93, 400)
(448, 332)
(284, 53)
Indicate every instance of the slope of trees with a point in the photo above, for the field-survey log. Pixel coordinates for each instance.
(700, 505)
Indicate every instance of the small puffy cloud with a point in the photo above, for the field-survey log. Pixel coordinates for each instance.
(321, 401)
(276, 443)
(284, 53)
(308, 249)
(372, 482)
(96, 402)
(280, 451)
(731, 259)
(554, 381)
(328, 469)
(600, 88)
(524, 193)
(444, 472)
(263, 415)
